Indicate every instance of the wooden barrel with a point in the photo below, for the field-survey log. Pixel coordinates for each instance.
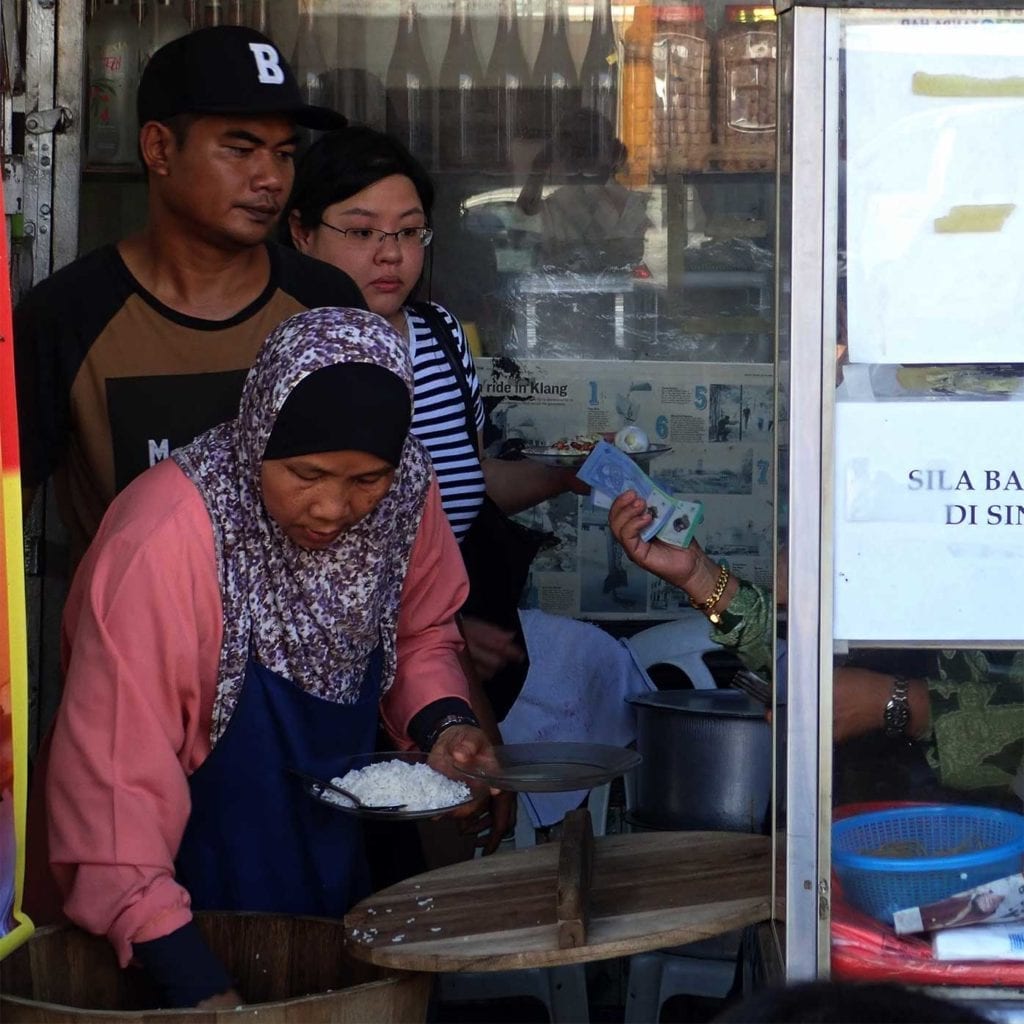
(287, 968)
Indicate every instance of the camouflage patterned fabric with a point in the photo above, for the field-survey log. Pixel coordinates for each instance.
(976, 741)
(977, 701)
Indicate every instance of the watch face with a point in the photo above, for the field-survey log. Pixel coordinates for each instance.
(897, 716)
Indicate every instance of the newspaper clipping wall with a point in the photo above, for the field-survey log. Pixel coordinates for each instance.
(718, 418)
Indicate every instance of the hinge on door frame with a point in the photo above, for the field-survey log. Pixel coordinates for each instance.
(43, 122)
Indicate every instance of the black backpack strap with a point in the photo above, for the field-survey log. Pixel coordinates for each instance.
(445, 335)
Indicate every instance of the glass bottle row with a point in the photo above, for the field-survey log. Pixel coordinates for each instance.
(483, 112)
(472, 116)
(689, 100)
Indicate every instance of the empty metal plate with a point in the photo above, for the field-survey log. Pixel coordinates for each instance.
(555, 767)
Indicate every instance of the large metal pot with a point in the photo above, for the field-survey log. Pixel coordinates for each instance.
(707, 761)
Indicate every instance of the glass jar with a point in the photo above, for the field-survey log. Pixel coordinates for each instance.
(746, 61)
(682, 90)
(637, 102)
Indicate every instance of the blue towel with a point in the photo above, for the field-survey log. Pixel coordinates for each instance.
(575, 692)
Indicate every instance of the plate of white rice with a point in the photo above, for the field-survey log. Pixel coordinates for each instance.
(389, 778)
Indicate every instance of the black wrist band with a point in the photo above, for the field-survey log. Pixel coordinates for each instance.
(183, 967)
(423, 726)
(446, 723)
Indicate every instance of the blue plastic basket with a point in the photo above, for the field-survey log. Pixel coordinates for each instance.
(992, 843)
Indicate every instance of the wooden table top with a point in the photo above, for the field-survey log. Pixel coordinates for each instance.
(648, 890)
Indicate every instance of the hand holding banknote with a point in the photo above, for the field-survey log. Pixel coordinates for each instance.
(630, 522)
(689, 568)
(610, 472)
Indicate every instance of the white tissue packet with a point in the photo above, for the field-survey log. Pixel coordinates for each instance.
(980, 942)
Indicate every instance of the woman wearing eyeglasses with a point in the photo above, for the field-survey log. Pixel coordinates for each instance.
(362, 202)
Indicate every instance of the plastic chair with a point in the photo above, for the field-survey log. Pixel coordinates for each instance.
(681, 643)
(562, 990)
(598, 801)
(706, 968)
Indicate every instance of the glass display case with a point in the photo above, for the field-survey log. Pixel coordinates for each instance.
(900, 360)
(603, 227)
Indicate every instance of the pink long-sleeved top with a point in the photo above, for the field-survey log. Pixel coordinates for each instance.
(141, 643)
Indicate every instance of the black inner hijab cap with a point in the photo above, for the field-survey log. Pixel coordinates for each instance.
(346, 407)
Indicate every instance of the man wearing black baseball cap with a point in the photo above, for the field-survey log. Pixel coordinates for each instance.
(227, 70)
(135, 348)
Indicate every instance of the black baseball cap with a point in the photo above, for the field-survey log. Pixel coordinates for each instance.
(228, 70)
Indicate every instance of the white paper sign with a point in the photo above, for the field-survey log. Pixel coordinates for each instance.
(929, 521)
(935, 192)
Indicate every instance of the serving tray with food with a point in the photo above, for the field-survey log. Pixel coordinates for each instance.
(572, 452)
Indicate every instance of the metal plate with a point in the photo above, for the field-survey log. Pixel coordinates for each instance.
(555, 767)
(573, 460)
(317, 793)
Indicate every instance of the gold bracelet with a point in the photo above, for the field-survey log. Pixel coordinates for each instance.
(716, 595)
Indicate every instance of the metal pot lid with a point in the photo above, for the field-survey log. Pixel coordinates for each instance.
(726, 703)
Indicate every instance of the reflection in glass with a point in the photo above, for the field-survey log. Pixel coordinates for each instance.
(590, 223)
(357, 92)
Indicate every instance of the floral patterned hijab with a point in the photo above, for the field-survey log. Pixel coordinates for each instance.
(314, 617)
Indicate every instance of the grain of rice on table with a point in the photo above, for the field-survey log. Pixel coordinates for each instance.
(416, 785)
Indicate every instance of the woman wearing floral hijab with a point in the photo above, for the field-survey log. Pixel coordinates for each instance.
(248, 606)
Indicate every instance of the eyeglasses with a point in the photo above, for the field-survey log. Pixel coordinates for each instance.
(373, 238)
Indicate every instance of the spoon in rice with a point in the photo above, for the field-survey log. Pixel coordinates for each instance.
(317, 787)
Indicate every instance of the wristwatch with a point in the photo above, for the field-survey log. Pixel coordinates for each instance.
(896, 716)
(446, 723)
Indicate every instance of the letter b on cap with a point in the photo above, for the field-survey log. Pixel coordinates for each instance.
(268, 64)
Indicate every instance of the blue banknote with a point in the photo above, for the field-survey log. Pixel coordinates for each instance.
(613, 472)
(610, 472)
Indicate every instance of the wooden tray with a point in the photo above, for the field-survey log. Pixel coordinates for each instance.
(647, 890)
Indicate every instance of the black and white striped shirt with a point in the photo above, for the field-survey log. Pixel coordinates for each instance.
(439, 419)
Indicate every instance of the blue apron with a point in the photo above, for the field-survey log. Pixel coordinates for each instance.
(255, 840)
